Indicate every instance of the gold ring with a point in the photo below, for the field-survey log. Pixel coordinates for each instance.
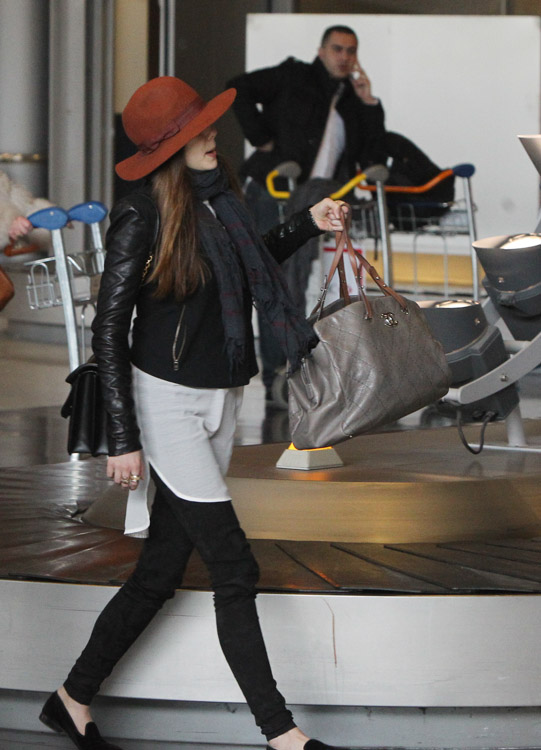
(135, 477)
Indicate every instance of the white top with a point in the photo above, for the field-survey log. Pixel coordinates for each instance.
(187, 435)
(333, 142)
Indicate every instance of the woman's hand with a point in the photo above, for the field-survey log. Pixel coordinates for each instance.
(126, 470)
(330, 215)
(19, 227)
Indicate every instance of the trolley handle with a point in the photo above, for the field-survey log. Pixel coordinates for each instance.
(460, 170)
(378, 173)
(46, 218)
(412, 189)
(289, 169)
(91, 212)
(49, 218)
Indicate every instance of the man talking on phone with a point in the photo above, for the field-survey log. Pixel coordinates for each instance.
(321, 115)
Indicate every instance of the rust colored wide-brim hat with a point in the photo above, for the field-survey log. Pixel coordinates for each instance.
(161, 117)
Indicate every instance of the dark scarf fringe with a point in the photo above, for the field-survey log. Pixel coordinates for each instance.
(241, 260)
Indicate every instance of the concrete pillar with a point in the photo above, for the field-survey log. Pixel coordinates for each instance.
(80, 95)
(24, 91)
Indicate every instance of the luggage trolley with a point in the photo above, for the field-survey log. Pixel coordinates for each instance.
(69, 280)
(372, 219)
(369, 220)
(450, 218)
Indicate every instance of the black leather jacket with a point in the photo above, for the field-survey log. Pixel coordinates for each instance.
(129, 242)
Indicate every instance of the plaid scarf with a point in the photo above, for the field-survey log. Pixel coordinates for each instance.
(240, 258)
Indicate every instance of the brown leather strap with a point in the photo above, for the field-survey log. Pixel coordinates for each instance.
(344, 291)
(15, 249)
(7, 290)
(381, 284)
(343, 243)
(354, 257)
(360, 259)
(357, 260)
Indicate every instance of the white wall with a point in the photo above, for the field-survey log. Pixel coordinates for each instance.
(461, 87)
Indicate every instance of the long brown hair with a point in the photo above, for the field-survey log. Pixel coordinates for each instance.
(180, 269)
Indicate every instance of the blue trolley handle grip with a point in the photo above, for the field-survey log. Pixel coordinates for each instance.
(49, 218)
(55, 219)
(90, 212)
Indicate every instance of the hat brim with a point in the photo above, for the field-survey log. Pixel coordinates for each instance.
(140, 165)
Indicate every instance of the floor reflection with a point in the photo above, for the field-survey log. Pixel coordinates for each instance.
(38, 435)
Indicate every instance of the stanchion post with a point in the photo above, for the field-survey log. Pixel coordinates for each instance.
(385, 236)
(472, 231)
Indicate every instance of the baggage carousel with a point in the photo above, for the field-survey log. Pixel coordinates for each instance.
(409, 577)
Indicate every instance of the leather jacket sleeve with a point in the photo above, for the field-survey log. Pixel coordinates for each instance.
(284, 239)
(258, 87)
(129, 242)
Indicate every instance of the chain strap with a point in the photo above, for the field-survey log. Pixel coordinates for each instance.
(154, 241)
(147, 267)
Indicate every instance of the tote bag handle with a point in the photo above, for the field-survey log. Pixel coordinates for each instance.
(358, 261)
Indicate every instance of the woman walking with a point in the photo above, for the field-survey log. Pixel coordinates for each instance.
(183, 252)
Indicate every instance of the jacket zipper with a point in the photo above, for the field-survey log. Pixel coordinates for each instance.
(177, 355)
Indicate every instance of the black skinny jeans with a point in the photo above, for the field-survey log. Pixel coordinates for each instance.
(176, 527)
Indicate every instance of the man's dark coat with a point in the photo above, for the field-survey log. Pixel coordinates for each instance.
(295, 98)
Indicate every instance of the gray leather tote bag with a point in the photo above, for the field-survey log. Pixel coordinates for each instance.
(376, 361)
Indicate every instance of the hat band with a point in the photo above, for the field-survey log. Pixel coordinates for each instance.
(174, 127)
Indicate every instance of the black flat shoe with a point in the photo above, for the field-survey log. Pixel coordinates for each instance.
(55, 715)
(314, 745)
